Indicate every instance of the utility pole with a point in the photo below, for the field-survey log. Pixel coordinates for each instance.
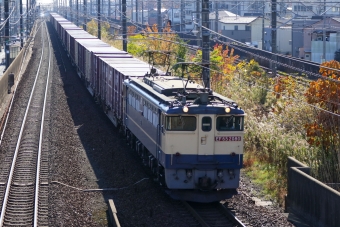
(172, 15)
(137, 11)
(131, 7)
(124, 25)
(205, 43)
(159, 15)
(109, 11)
(324, 40)
(263, 7)
(91, 9)
(71, 11)
(21, 27)
(273, 29)
(324, 34)
(27, 20)
(99, 19)
(65, 8)
(182, 26)
(6, 33)
(0, 30)
(85, 15)
(216, 16)
(198, 35)
(77, 9)
(120, 12)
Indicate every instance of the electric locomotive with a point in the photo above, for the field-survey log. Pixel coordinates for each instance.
(190, 136)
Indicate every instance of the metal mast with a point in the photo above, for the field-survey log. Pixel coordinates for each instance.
(159, 16)
(124, 25)
(6, 32)
(85, 14)
(205, 43)
(273, 29)
(99, 19)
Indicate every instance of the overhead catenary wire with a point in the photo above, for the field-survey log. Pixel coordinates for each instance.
(261, 86)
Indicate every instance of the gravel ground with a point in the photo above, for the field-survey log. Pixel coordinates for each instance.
(87, 152)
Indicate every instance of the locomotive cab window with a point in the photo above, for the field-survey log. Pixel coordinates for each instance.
(229, 123)
(206, 124)
(180, 123)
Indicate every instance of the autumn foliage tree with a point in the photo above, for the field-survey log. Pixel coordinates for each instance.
(325, 93)
(222, 65)
(165, 46)
(92, 28)
(324, 131)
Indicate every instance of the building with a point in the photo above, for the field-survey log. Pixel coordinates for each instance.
(221, 14)
(315, 38)
(314, 8)
(244, 29)
(283, 40)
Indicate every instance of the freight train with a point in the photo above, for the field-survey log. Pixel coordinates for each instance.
(191, 137)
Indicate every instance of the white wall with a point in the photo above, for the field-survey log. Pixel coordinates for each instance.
(284, 35)
(256, 30)
(331, 46)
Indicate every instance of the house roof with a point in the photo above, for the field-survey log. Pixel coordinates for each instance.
(222, 14)
(237, 20)
(336, 19)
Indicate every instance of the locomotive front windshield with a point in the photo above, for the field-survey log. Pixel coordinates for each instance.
(180, 123)
(229, 123)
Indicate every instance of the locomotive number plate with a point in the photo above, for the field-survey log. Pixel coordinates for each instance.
(227, 138)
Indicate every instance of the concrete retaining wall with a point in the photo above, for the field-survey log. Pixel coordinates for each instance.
(315, 202)
(5, 90)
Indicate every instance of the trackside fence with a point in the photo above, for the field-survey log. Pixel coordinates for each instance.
(310, 199)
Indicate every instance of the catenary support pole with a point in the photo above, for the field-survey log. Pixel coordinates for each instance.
(99, 19)
(85, 15)
(273, 44)
(216, 16)
(182, 25)
(6, 33)
(137, 11)
(1, 30)
(124, 25)
(159, 16)
(263, 8)
(198, 12)
(205, 43)
(21, 27)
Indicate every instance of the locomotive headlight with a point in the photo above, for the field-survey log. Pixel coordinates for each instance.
(227, 109)
(185, 109)
(189, 173)
(220, 173)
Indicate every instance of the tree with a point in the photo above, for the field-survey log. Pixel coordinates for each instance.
(222, 65)
(159, 48)
(323, 132)
(92, 28)
(325, 93)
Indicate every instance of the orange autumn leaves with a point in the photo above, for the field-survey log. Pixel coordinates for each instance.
(285, 85)
(325, 93)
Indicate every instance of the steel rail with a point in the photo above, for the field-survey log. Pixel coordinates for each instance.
(10, 178)
(232, 220)
(36, 203)
(11, 103)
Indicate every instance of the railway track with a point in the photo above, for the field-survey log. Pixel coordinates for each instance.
(24, 173)
(212, 215)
